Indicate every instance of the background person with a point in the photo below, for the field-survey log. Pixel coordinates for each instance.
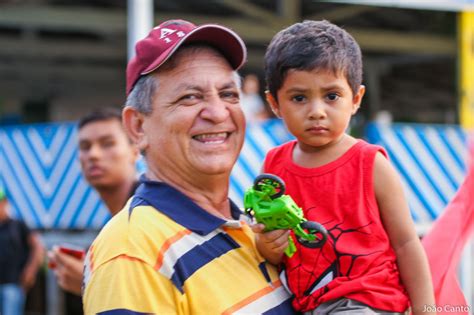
(21, 255)
(251, 100)
(179, 247)
(108, 162)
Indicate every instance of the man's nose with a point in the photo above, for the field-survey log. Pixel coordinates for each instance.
(215, 109)
(94, 151)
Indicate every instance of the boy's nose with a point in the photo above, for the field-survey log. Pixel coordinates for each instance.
(317, 111)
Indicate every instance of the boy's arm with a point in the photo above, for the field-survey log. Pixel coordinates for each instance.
(395, 214)
(271, 245)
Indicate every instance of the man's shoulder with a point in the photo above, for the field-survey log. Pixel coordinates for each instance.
(137, 232)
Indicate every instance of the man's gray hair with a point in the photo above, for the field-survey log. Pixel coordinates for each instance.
(141, 96)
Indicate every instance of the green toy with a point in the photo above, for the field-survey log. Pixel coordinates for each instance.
(267, 203)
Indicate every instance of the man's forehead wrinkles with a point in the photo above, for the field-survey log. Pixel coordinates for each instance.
(205, 85)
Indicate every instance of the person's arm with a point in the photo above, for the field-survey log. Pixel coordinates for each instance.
(68, 270)
(271, 245)
(35, 259)
(395, 214)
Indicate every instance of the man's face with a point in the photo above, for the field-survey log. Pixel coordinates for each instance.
(196, 126)
(107, 157)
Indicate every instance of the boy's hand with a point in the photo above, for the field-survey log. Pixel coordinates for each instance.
(271, 245)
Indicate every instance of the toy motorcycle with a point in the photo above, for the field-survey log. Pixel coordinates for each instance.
(268, 204)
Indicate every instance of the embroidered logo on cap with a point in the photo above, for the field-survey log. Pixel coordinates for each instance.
(166, 32)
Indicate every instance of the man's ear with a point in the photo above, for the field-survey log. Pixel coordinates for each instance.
(133, 121)
(273, 103)
(357, 99)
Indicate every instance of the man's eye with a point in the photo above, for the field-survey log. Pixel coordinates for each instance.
(332, 96)
(84, 147)
(189, 99)
(230, 95)
(108, 144)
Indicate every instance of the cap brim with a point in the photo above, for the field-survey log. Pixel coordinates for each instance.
(223, 39)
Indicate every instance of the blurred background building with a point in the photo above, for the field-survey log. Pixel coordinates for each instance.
(58, 58)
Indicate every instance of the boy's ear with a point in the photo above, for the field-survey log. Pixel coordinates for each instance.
(132, 121)
(357, 99)
(273, 103)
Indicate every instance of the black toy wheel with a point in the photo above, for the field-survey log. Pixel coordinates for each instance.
(270, 179)
(316, 229)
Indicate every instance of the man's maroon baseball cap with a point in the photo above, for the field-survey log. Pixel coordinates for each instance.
(160, 44)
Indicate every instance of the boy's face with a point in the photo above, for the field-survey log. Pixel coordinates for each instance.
(316, 106)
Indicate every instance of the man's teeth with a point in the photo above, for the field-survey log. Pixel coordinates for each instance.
(212, 137)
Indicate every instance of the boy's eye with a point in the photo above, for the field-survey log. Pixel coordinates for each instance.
(298, 98)
(332, 96)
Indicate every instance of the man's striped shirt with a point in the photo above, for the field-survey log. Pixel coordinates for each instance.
(163, 254)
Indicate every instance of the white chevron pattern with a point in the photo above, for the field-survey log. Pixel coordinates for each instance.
(39, 166)
(41, 172)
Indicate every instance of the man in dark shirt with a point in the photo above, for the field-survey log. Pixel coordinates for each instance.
(21, 254)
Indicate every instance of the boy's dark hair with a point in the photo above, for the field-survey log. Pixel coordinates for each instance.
(102, 114)
(311, 45)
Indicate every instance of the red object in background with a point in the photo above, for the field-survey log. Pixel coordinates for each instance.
(444, 244)
(79, 253)
(71, 250)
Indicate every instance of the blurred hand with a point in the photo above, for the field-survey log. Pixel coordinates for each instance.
(271, 244)
(68, 270)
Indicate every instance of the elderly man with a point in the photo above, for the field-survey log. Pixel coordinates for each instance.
(180, 246)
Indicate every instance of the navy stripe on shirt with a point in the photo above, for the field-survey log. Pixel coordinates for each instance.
(200, 256)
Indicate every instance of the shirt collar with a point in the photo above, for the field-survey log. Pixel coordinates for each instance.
(178, 206)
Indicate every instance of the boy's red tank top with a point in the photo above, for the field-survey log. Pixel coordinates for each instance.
(357, 261)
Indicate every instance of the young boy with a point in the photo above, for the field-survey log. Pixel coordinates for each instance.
(373, 262)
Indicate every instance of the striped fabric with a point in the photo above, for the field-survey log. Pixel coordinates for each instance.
(42, 176)
(178, 260)
(431, 160)
(40, 171)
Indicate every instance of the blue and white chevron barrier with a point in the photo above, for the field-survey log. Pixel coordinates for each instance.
(431, 160)
(41, 173)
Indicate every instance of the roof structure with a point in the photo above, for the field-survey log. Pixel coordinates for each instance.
(56, 51)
